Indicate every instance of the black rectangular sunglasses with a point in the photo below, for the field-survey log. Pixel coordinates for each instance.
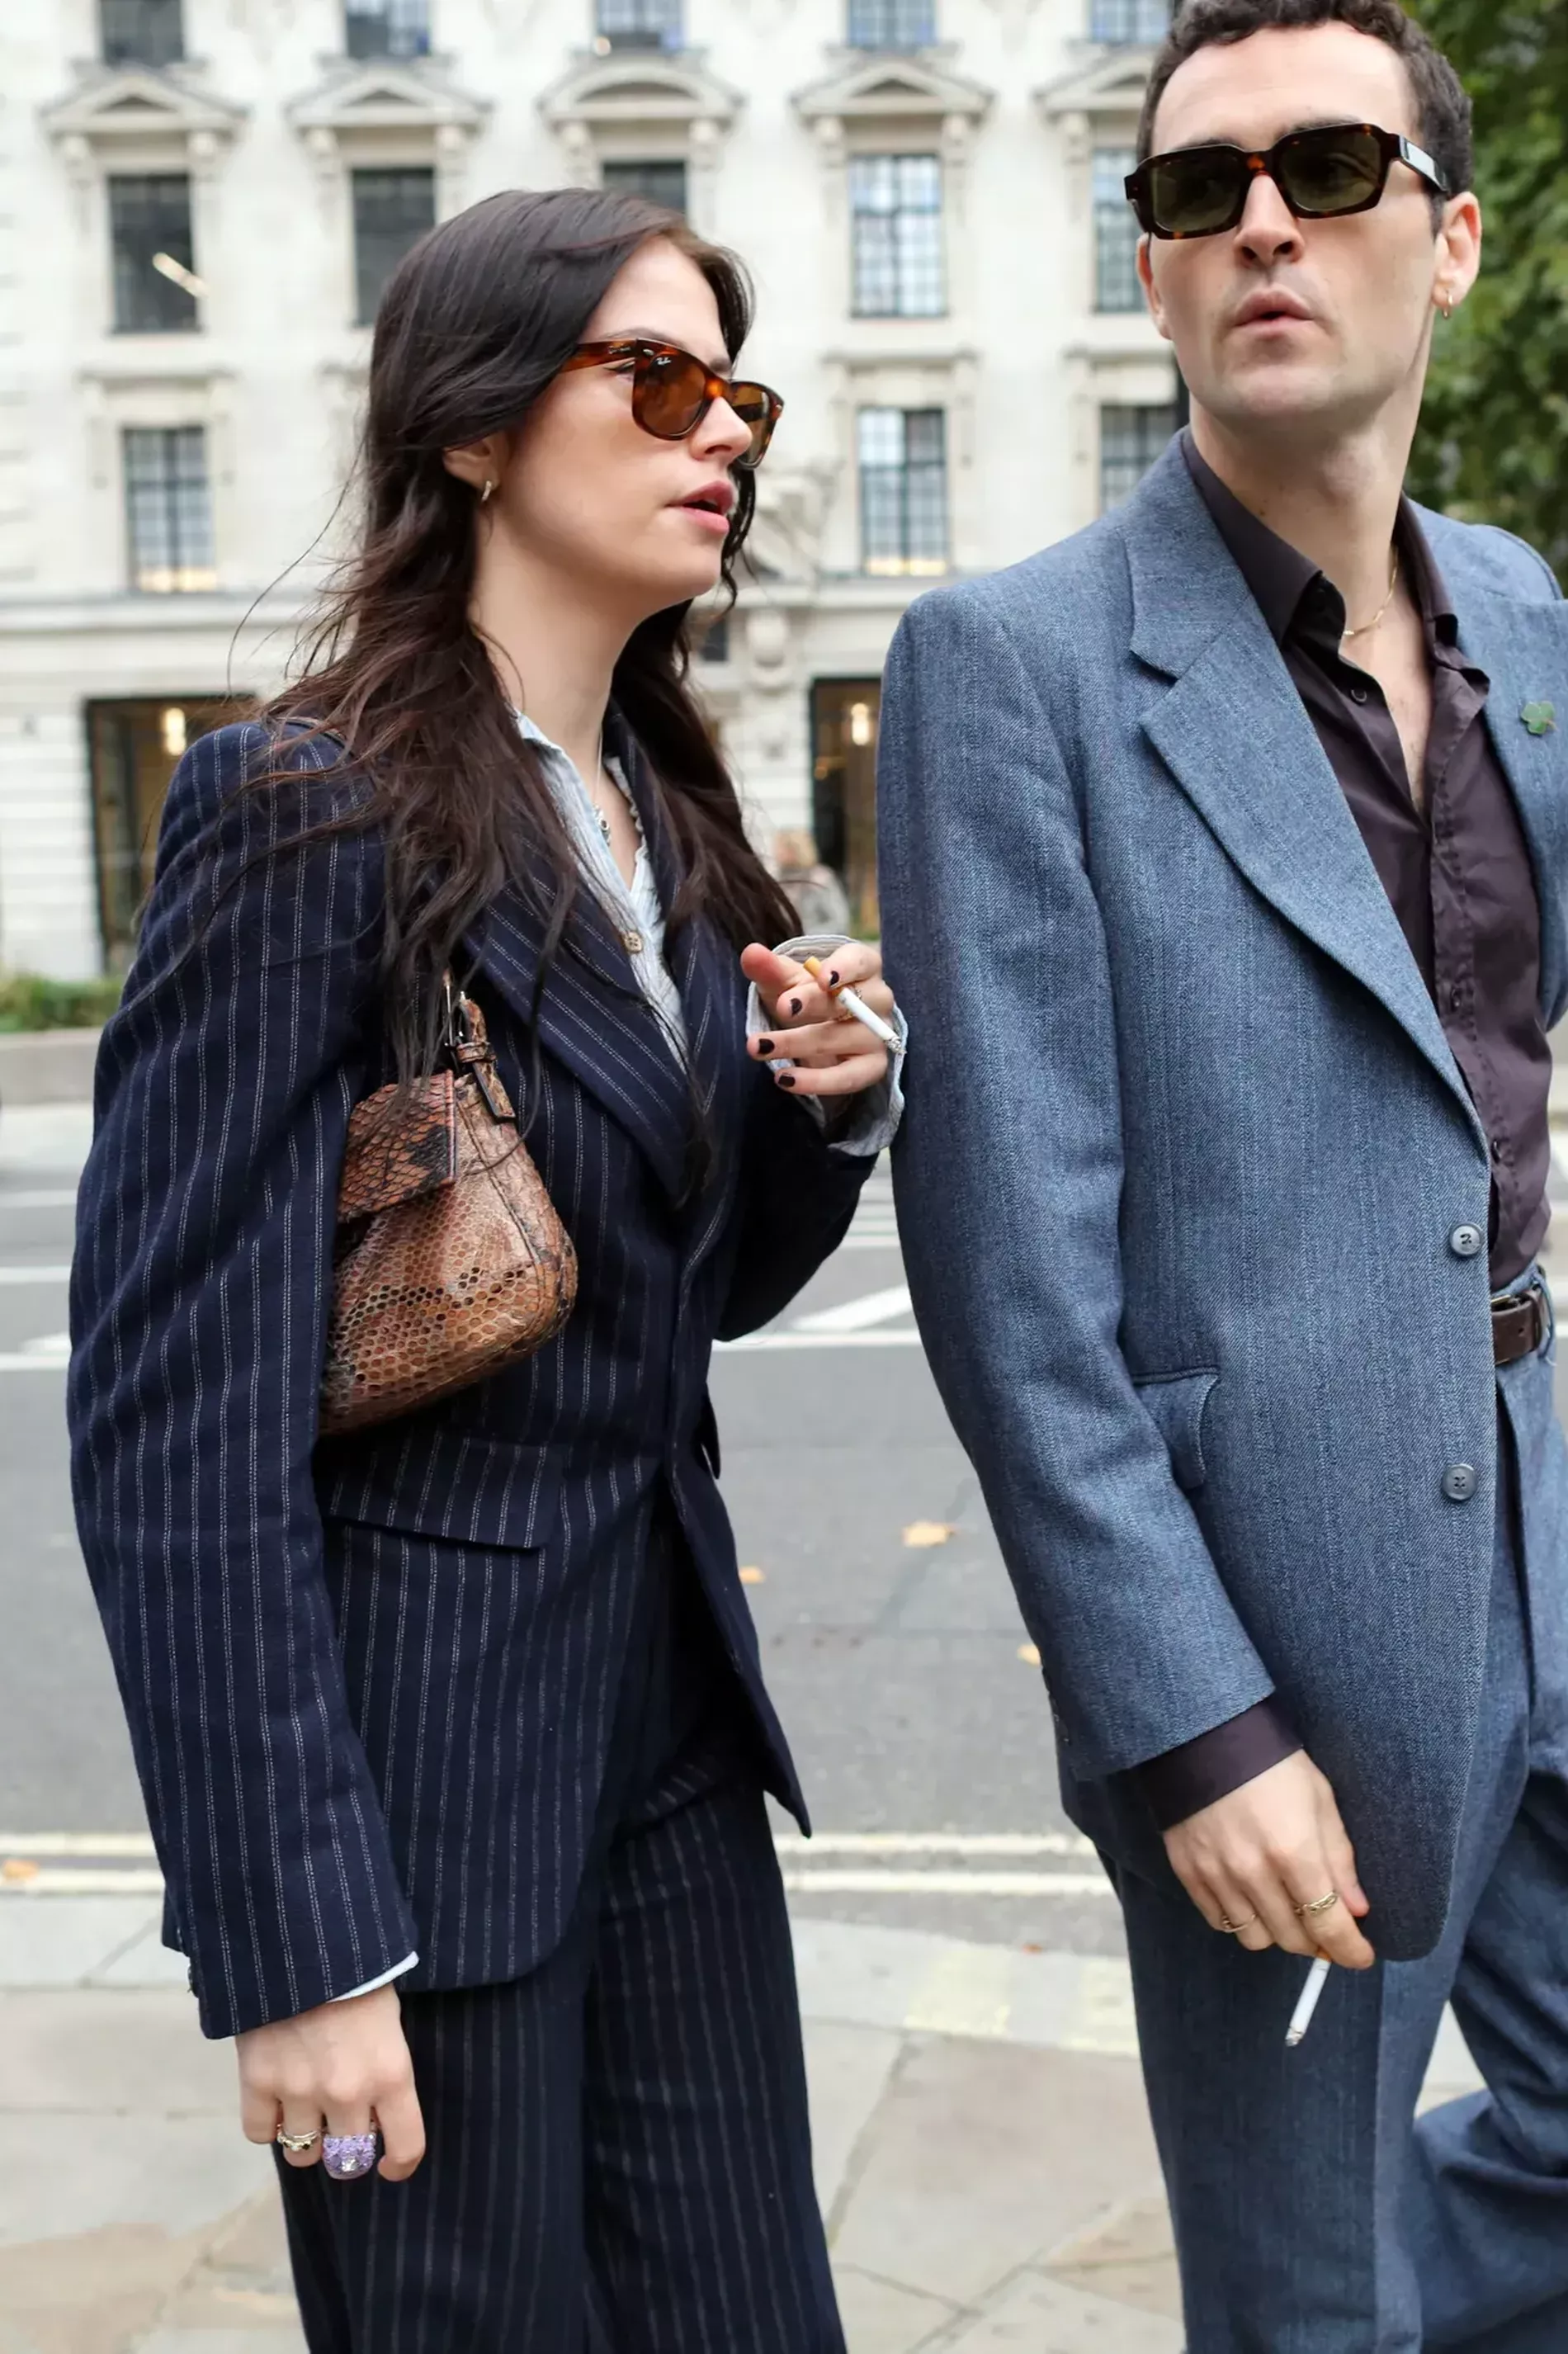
(1320, 174)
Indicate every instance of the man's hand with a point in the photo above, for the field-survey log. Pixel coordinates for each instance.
(347, 2063)
(1262, 1850)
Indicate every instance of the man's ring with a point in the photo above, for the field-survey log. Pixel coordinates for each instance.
(1319, 1904)
(297, 2143)
(344, 2156)
(1233, 1928)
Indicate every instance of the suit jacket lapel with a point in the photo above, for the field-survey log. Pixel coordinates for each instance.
(593, 1018)
(703, 969)
(1234, 732)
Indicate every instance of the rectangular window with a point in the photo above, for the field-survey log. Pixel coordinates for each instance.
(149, 216)
(896, 208)
(891, 24)
(141, 32)
(1130, 23)
(387, 28)
(903, 490)
(1131, 440)
(1116, 233)
(392, 210)
(168, 509)
(662, 184)
(638, 24)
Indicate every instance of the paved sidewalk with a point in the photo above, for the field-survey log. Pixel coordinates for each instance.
(983, 2154)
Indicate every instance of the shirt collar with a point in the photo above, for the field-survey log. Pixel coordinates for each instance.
(1289, 588)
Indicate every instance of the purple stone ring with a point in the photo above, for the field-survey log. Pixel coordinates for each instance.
(347, 2156)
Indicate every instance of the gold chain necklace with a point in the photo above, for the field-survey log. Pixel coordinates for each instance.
(1362, 628)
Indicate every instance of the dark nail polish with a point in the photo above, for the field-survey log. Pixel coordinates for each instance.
(765, 1046)
(832, 981)
(785, 1078)
(796, 1003)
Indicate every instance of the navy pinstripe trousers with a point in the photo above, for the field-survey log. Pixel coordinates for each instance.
(619, 2150)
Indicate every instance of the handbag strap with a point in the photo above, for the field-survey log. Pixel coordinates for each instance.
(468, 1044)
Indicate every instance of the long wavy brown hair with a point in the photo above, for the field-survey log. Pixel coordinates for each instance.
(475, 323)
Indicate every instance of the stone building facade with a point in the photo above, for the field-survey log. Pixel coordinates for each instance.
(200, 200)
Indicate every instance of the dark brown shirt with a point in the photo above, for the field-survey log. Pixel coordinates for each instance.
(1458, 877)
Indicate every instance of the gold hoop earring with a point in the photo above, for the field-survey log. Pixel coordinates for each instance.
(1447, 306)
(484, 494)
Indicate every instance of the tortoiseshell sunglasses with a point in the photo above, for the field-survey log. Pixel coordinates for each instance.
(672, 391)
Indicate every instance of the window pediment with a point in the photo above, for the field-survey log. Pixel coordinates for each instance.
(608, 93)
(134, 103)
(878, 91)
(384, 95)
(1114, 86)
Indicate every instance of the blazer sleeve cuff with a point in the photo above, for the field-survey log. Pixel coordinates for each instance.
(1188, 1778)
(372, 1985)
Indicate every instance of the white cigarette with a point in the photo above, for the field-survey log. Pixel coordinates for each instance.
(1301, 2017)
(843, 995)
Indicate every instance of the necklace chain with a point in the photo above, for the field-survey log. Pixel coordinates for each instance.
(1362, 628)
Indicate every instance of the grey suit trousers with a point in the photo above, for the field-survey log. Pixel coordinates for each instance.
(1313, 2214)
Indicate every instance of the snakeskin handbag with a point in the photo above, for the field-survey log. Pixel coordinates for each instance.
(451, 1263)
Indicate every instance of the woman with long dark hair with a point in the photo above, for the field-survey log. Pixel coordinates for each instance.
(451, 1727)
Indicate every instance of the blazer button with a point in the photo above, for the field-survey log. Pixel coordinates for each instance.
(632, 943)
(1459, 1482)
(1465, 1241)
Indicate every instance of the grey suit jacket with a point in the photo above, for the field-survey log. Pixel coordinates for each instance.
(1178, 1243)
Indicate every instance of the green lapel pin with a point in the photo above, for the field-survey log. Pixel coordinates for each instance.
(1541, 718)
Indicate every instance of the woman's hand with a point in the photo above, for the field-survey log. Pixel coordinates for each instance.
(833, 1054)
(347, 2063)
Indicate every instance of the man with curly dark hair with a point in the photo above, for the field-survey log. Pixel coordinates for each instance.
(1228, 844)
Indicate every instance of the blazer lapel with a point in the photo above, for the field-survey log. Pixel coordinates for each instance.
(1233, 731)
(593, 1018)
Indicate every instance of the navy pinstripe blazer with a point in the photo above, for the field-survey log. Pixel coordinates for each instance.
(370, 1684)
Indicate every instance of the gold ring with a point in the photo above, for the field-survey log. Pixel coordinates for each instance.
(1233, 1928)
(1319, 1904)
(297, 2143)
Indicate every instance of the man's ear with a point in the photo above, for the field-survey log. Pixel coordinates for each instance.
(1146, 279)
(1458, 251)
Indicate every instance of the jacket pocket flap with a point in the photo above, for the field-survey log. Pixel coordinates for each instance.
(1174, 1403)
(442, 1483)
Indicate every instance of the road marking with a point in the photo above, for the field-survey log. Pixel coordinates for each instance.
(85, 1883)
(924, 1843)
(51, 1353)
(858, 1315)
(14, 1275)
(821, 1341)
(126, 1843)
(52, 1199)
(947, 1883)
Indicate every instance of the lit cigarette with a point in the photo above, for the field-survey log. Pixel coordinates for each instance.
(857, 1005)
(1301, 2017)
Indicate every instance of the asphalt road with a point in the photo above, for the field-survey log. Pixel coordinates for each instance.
(891, 1639)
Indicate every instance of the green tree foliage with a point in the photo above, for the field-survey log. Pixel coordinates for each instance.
(1493, 445)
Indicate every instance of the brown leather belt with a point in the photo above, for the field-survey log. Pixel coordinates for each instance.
(1520, 1322)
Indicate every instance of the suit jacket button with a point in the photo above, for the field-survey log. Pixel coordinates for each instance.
(632, 943)
(1465, 1241)
(1459, 1482)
